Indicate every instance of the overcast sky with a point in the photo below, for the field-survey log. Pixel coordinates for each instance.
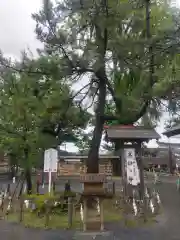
(16, 25)
(17, 28)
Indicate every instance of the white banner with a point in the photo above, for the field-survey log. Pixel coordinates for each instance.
(129, 153)
(131, 166)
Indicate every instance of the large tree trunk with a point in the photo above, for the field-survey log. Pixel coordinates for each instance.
(92, 162)
(12, 172)
(101, 38)
(28, 181)
(117, 151)
(28, 172)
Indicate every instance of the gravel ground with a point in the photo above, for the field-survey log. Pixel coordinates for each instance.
(167, 228)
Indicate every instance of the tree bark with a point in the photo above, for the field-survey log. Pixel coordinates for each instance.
(28, 173)
(170, 160)
(28, 180)
(92, 161)
(101, 41)
(12, 172)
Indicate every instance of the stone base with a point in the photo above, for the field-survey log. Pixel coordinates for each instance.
(105, 235)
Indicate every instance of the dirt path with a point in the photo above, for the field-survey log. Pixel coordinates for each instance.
(167, 229)
(171, 204)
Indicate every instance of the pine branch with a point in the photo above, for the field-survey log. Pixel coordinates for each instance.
(151, 64)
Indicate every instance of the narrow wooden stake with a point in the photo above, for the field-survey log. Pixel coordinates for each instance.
(47, 215)
(142, 188)
(8, 189)
(170, 158)
(124, 184)
(70, 212)
(114, 189)
(85, 215)
(101, 214)
(21, 209)
(2, 205)
(37, 187)
(54, 186)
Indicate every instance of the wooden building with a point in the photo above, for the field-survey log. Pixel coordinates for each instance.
(154, 157)
(4, 162)
(109, 164)
(76, 165)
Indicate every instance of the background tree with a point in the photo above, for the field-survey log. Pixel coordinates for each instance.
(33, 116)
(84, 141)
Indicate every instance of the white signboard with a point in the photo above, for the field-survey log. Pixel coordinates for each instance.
(50, 160)
(50, 164)
(131, 166)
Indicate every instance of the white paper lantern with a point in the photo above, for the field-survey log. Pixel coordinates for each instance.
(135, 207)
(14, 180)
(56, 204)
(26, 203)
(9, 207)
(158, 198)
(81, 213)
(151, 206)
(146, 193)
(25, 188)
(1, 201)
(5, 194)
(98, 207)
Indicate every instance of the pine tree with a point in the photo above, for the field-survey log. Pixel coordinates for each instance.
(123, 47)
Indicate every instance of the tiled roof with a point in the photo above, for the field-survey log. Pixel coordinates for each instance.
(133, 133)
(172, 131)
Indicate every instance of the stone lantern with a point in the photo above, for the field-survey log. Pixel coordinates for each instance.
(92, 201)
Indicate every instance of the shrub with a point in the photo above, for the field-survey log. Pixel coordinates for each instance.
(46, 202)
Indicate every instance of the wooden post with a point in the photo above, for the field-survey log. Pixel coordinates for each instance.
(8, 189)
(170, 158)
(142, 187)
(21, 189)
(54, 186)
(21, 209)
(85, 215)
(2, 205)
(42, 177)
(124, 182)
(114, 188)
(47, 215)
(70, 212)
(37, 186)
(101, 214)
